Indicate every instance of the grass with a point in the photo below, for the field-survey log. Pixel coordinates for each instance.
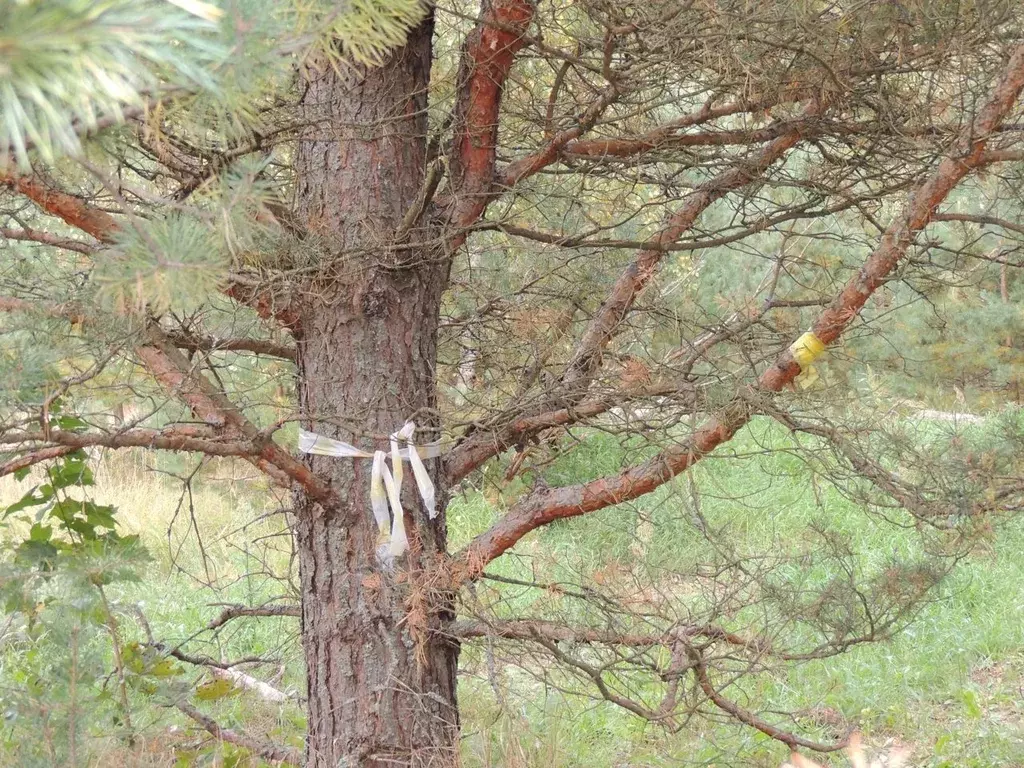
(949, 686)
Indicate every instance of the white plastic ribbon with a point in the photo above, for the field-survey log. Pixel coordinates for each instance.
(385, 484)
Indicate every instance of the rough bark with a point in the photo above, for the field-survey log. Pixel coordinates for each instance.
(381, 678)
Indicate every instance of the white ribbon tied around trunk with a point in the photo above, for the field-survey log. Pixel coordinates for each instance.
(385, 484)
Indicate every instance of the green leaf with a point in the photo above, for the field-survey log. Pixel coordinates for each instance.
(100, 516)
(69, 424)
(39, 554)
(30, 499)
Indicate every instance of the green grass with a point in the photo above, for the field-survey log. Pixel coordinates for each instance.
(949, 685)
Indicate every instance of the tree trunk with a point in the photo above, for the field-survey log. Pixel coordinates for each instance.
(381, 679)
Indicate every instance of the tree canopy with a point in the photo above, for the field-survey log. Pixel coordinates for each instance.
(586, 247)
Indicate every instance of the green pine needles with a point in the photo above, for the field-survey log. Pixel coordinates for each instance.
(71, 67)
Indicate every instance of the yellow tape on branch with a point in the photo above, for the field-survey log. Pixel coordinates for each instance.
(385, 484)
(804, 351)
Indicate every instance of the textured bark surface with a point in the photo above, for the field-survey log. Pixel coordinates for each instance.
(381, 687)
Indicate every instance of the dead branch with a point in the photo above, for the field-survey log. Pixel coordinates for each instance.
(237, 611)
(208, 343)
(175, 438)
(700, 671)
(36, 236)
(271, 752)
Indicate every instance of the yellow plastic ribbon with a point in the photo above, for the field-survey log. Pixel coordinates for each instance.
(385, 484)
(804, 351)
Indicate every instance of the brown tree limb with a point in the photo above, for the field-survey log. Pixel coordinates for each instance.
(527, 166)
(182, 339)
(623, 147)
(481, 446)
(173, 370)
(70, 312)
(549, 630)
(35, 236)
(983, 220)
(266, 750)
(700, 671)
(35, 457)
(197, 438)
(666, 137)
(78, 213)
(166, 363)
(208, 343)
(238, 611)
(546, 505)
(487, 59)
(73, 210)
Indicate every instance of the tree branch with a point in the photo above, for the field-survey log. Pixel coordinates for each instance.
(208, 343)
(549, 630)
(546, 505)
(976, 218)
(35, 236)
(483, 445)
(80, 214)
(487, 59)
(180, 437)
(73, 210)
(700, 671)
(586, 357)
(173, 370)
(237, 611)
(271, 752)
(35, 457)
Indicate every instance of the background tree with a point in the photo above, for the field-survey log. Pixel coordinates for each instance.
(522, 227)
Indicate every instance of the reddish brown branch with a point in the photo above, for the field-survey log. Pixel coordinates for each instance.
(173, 370)
(586, 357)
(70, 312)
(532, 163)
(544, 506)
(166, 363)
(73, 210)
(35, 457)
(487, 59)
(80, 214)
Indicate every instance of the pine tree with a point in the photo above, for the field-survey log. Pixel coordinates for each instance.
(501, 224)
